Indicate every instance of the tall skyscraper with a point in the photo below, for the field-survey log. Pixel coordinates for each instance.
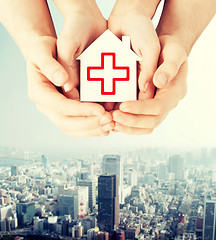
(175, 166)
(162, 171)
(108, 202)
(132, 178)
(44, 161)
(209, 218)
(14, 170)
(91, 184)
(112, 164)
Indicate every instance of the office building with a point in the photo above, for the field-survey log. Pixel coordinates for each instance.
(132, 178)
(74, 202)
(25, 212)
(108, 202)
(175, 166)
(112, 164)
(162, 171)
(91, 184)
(209, 220)
(14, 170)
(44, 161)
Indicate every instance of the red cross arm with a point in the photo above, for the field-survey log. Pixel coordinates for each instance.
(114, 80)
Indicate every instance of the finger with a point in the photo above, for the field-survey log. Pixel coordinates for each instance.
(42, 92)
(76, 124)
(172, 58)
(138, 120)
(148, 50)
(132, 130)
(149, 93)
(147, 107)
(73, 94)
(69, 125)
(67, 49)
(43, 56)
(52, 69)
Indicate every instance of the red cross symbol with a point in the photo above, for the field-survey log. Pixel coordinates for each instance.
(108, 73)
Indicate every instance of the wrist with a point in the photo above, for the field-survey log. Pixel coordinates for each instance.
(183, 37)
(145, 7)
(85, 7)
(39, 44)
(174, 41)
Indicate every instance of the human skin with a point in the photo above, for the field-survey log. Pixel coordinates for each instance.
(178, 29)
(22, 18)
(143, 116)
(184, 21)
(133, 18)
(84, 23)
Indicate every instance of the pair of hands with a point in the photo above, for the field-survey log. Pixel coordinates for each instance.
(52, 63)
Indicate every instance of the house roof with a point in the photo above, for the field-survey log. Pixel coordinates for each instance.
(108, 42)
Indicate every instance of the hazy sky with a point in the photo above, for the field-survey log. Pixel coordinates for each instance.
(191, 123)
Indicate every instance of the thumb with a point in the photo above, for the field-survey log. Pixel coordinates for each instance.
(52, 70)
(172, 57)
(43, 57)
(68, 49)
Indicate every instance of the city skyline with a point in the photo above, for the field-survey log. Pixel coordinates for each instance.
(164, 193)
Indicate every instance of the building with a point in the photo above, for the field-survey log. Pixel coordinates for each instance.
(162, 171)
(112, 164)
(38, 224)
(132, 178)
(108, 202)
(91, 184)
(14, 170)
(25, 212)
(175, 166)
(102, 236)
(8, 218)
(44, 161)
(77, 231)
(209, 220)
(74, 202)
(82, 175)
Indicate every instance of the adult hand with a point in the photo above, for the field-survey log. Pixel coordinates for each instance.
(73, 117)
(142, 116)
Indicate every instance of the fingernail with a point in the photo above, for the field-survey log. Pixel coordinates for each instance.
(67, 87)
(107, 127)
(162, 79)
(104, 120)
(58, 78)
(146, 86)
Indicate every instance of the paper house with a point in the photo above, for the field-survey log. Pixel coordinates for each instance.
(108, 70)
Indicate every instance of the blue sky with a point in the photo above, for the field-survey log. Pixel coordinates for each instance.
(191, 123)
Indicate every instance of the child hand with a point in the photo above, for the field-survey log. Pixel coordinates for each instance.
(83, 24)
(131, 19)
(142, 116)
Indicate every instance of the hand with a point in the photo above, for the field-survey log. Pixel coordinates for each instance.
(73, 117)
(84, 23)
(142, 116)
(130, 19)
